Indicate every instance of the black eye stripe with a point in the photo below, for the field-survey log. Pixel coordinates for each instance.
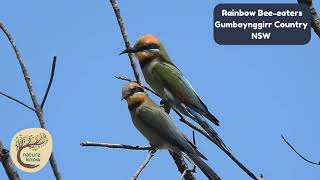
(136, 89)
(149, 46)
(153, 46)
(133, 91)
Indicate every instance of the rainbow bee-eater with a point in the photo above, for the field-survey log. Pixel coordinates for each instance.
(156, 126)
(171, 85)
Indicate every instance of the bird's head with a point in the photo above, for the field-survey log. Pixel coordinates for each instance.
(134, 94)
(147, 47)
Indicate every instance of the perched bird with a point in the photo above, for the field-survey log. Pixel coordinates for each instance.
(155, 125)
(169, 83)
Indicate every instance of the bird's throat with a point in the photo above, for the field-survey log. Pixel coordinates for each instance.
(135, 101)
(144, 62)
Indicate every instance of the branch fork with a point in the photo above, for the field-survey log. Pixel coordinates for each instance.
(37, 108)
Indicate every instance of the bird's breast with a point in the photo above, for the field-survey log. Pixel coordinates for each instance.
(154, 139)
(151, 78)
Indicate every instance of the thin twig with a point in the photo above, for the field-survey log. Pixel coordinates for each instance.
(144, 164)
(315, 19)
(17, 101)
(8, 164)
(183, 174)
(182, 165)
(125, 39)
(186, 174)
(117, 146)
(261, 177)
(311, 162)
(53, 67)
(32, 93)
(130, 80)
(178, 158)
(194, 143)
(25, 73)
(193, 138)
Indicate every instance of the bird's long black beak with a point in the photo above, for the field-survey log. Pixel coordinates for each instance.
(124, 96)
(129, 50)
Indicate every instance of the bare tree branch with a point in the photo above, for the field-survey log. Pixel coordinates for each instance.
(53, 67)
(117, 146)
(194, 143)
(144, 164)
(193, 138)
(17, 101)
(186, 173)
(116, 10)
(311, 162)
(183, 174)
(315, 19)
(182, 166)
(32, 93)
(127, 44)
(7, 163)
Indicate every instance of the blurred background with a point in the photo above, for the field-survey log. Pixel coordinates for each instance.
(257, 92)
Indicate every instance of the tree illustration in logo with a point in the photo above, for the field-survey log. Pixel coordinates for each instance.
(33, 143)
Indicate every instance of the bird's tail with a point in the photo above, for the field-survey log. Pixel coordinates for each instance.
(212, 118)
(218, 141)
(211, 132)
(205, 168)
(214, 137)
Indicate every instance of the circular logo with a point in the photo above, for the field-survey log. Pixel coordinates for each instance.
(31, 149)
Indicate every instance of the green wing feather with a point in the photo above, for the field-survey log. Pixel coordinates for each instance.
(174, 81)
(160, 123)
